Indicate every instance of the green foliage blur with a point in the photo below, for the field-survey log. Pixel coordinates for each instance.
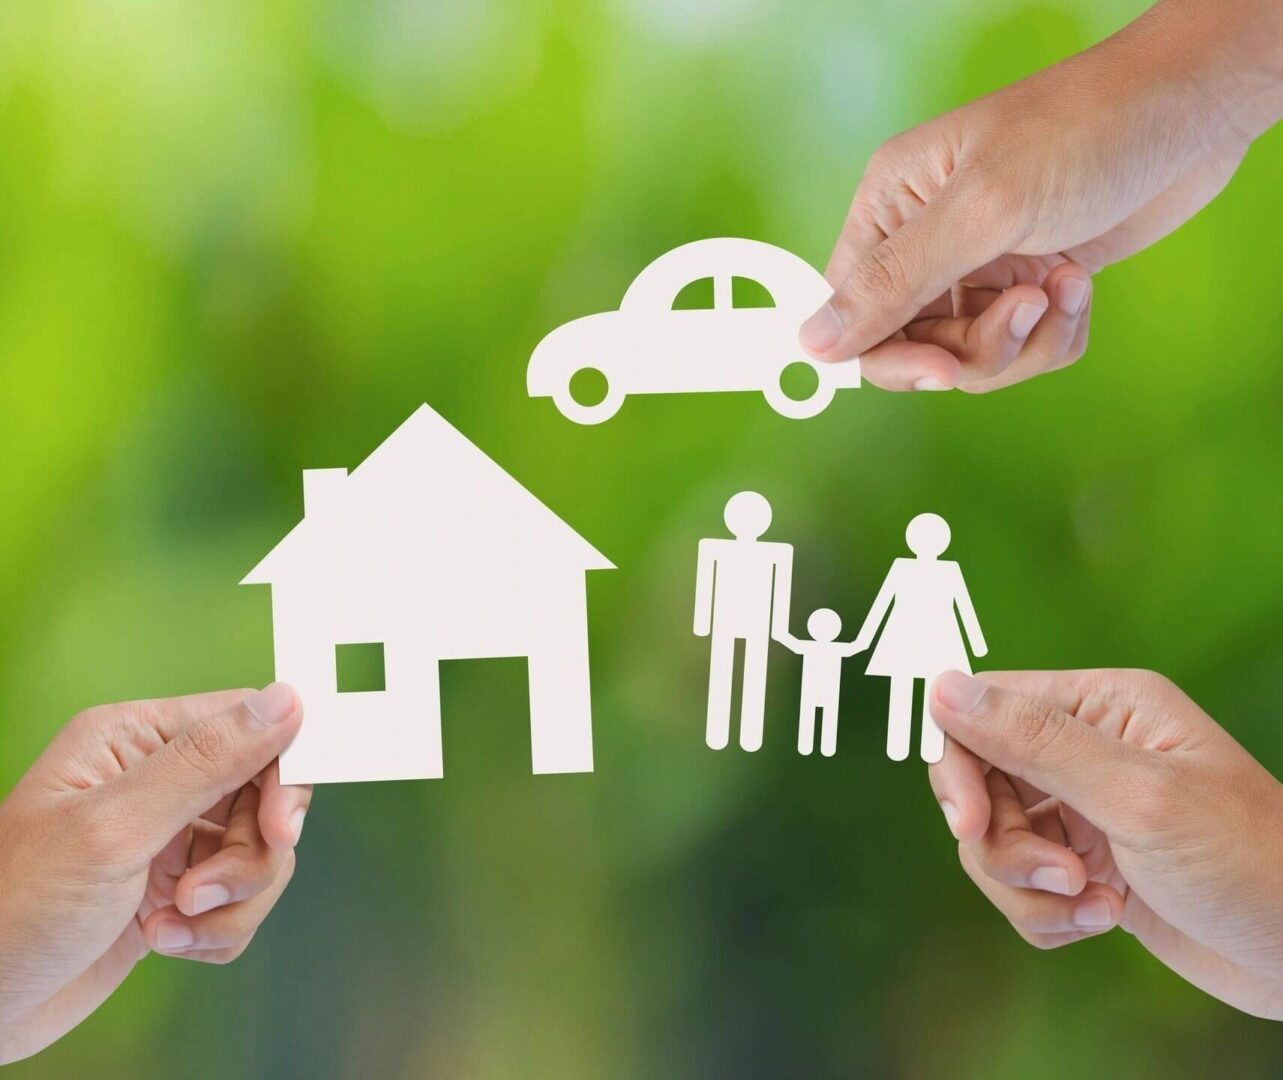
(242, 238)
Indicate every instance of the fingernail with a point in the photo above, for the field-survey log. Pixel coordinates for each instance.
(822, 330)
(950, 816)
(1024, 319)
(174, 937)
(296, 822)
(959, 692)
(272, 704)
(205, 897)
(1051, 879)
(1071, 294)
(1093, 914)
(929, 382)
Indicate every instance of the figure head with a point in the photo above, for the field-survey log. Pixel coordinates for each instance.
(747, 515)
(927, 535)
(824, 624)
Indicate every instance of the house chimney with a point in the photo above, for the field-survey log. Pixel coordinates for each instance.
(321, 488)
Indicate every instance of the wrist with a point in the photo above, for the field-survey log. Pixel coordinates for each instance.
(1229, 53)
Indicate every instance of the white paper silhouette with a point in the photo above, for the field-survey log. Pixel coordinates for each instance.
(646, 347)
(822, 658)
(742, 592)
(925, 596)
(431, 549)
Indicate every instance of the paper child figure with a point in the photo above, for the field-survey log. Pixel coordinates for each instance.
(742, 590)
(821, 679)
(921, 638)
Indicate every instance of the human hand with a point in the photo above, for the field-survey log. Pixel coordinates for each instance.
(966, 257)
(150, 825)
(1084, 800)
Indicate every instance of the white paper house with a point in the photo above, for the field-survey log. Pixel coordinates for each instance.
(433, 551)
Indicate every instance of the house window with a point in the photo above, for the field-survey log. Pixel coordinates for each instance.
(359, 667)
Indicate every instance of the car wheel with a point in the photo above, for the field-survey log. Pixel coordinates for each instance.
(590, 407)
(811, 402)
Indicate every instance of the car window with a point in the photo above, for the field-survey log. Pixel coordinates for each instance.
(698, 294)
(745, 292)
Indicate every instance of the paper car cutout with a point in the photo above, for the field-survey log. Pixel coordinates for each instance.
(647, 347)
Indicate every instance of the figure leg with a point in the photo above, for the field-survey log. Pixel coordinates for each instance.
(753, 702)
(829, 730)
(721, 669)
(806, 728)
(932, 736)
(900, 717)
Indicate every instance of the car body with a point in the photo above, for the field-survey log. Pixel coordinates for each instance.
(648, 347)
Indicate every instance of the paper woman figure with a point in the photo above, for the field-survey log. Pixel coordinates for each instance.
(925, 596)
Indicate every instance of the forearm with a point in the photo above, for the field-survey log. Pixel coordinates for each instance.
(1230, 52)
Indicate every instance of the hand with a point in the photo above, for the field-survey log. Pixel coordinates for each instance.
(966, 257)
(1084, 800)
(152, 825)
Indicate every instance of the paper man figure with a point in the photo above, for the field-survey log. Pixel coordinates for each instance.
(921, 638)
(821, 679)
(742, 589)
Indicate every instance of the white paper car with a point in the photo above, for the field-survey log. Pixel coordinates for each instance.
(647, 347)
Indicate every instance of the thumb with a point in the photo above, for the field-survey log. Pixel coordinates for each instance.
(1038, 742)
(890, 282)
(207, 760)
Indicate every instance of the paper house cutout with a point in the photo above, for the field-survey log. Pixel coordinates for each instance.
(433, 551)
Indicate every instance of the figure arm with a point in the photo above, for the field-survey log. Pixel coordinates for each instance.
(782, 596)
(878, 612)
(850, 648)
(790, 642)
(975, 636)
(705, 573)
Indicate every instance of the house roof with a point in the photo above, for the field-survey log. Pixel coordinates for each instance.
(428, 477)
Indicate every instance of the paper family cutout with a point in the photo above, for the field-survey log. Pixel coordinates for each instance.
(433, 551)
(647, 347)
(742, 593)
(429, 551)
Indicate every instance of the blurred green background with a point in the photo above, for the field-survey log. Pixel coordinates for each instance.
(243, 238)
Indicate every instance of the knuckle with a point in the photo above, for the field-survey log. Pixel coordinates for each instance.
(887, 155)
(203, 746)
(1035, 726)
(881, 272)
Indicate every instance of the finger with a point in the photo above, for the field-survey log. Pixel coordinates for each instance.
(1032, 738)
(207, 839)
(205, 761)
(1054, 340)
(992, 341)
(243, 865)
(892, 281)
(216, 936)
(1013, 853)
(898, 364)
(221, 810)
(1045, 820)
(1036, 914)
(282, 809)
(958, 782)
(166, 717)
